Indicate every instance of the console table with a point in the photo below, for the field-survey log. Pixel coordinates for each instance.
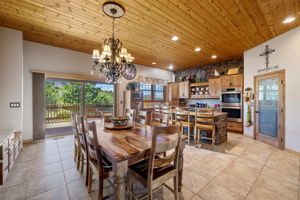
(10, 146)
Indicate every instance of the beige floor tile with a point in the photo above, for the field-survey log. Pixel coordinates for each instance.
(256, 154)
(196, 198)
(278, 187)
(218, 160)
(78, 190)
(262, 193)
(59, 193)
(73, 174)
(67, 148)
(67, 164)
(193, 182)
(67, 156)
(286, 176)
(45, 170)
(234, 183)
(46, 160)
(214, 191)
(47, 183)
(17, 192)
(16, 178)
(205, 170)
(244, 170)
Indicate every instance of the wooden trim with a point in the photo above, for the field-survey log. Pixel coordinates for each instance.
(27, 141)
(281, 107)
(292, 152)
(67, 76)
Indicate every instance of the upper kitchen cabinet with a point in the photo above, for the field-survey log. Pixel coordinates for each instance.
(214, 87)
(184, 90)
(173, 94)
(234, 81)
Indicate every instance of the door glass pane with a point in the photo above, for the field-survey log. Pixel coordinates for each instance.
(62, 98)
(268, 107)
(98, 97)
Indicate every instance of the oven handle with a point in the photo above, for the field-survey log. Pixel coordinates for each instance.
(231, 93)
(240, 107)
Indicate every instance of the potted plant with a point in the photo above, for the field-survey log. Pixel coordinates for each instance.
(133, 85)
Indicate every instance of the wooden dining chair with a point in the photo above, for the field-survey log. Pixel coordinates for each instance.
(204, 120)
(130, 113)
(83, 154)
(76, 140)
(156, 171)
(183, 118)
(157, 108)
(166, 110)
(142, 117)
(106, 116)
(97, 163)
(159, 119)
(93, 112)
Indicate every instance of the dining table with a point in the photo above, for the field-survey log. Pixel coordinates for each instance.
(126, 147)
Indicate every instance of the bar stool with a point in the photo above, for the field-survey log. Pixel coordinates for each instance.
(183, 117)
(204, 120)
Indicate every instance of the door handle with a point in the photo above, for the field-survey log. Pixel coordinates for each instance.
(256, 111)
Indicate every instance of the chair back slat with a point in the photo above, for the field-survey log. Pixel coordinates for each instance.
(165, 139)
(159, 119)
(130, 113)
(93, 129)
(106, 116)
(141, 117)
(204, 116)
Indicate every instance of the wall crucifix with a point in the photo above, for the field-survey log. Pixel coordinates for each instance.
(267, 53)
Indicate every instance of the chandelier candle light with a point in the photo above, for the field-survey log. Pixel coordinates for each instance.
(114, 60)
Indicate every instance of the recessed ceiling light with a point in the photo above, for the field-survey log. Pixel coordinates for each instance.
(288, 20)
(175, 38)
(171, 66)
(154, 63)
(197, 49)
(213, 56)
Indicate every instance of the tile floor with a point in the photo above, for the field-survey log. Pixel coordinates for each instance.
(239, 169)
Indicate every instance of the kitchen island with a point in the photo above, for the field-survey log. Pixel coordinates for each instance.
(220, 119)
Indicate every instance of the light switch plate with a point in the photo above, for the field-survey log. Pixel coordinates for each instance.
(14, 104)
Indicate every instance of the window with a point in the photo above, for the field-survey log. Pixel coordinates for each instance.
(147, 91)
(158, 92)
(152, 92)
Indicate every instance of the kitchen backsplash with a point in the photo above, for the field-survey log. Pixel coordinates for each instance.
(209, 102)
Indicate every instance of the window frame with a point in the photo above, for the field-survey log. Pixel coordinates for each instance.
(153, 90)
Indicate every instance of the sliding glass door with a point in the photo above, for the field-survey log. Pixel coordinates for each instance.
(62, 97)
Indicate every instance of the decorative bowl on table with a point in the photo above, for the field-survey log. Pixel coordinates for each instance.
(120, 121)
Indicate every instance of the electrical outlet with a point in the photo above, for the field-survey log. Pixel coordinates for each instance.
(14, 104)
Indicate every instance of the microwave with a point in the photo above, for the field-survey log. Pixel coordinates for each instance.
(231, 97)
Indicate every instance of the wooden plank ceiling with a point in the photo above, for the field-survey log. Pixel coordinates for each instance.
(225, 28)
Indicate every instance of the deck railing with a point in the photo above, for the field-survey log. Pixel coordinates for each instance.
(55, 113)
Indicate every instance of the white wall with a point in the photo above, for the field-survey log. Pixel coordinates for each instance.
(11, 66)
(287, 56)
(43, 57)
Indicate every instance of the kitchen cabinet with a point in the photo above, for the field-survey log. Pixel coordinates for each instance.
(173, 94)
(234, 81)
(235, 127)
(184, 89)
(214, 87)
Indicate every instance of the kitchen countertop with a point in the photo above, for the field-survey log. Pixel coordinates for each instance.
(5, 133)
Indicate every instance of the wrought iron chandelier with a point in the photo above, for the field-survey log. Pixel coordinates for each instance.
(114, 61)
